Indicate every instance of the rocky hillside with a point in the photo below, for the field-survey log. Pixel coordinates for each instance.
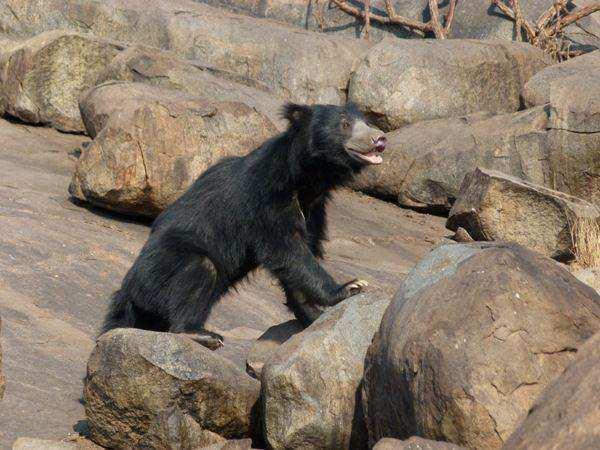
(479, 234)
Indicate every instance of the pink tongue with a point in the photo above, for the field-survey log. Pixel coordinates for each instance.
(373, 157)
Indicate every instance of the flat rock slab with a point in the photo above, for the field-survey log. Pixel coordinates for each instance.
(59, 263)
(493, 206)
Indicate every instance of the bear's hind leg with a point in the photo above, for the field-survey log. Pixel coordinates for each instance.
(193, 292)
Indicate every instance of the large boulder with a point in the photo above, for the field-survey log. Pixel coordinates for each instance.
(164, 69)
(74, 443)
(156, 143)
(492, 206)
(538, 90)
(404, 81)
(310, 384)
(567, 413)
(42, 78)
(413, 443)
(425, 162)
(472, 337)
(298, 65)
(161, 390)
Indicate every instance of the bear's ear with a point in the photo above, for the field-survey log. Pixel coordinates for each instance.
(296, 114)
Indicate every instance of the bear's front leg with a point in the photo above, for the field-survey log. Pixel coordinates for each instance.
(301, 276)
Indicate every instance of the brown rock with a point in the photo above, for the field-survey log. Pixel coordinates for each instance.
(236, 444)
(414, 443)
(567, 413)
(492, 206)
(295, 64)
(43, 77)
(264, 347)
(538, 90)
(162, 390)
(309, 386)
(157, 143)
(406, 81)
(475, 333)
(165, 69)
(2, 379)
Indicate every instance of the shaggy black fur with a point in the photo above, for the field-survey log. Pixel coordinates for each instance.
(264, 209)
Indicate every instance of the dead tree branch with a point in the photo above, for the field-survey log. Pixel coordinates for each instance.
(547, 31)
(433, 26)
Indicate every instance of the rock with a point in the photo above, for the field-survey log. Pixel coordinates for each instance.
(589, 276)
(414, 443)
(406, 81)
(157, 143)
(2, 379)
(162, 390)
(425, 162)
(164, 69)
(567, 413)
(492, 206)
(236, 444)
(472, 337)
(537, 91)
(310, 384)
(574, 136)
(257, 52)
(43, 77)
(265, 346)
(74, 443)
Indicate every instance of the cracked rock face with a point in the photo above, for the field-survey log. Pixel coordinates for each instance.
(567, 413)
(155, 142)
(472, 337)
(43, 77)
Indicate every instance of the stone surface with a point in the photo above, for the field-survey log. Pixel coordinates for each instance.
(235, 444)
(165, 69)
(157, 143)
(407, 81)
(310, 384)
(472, 337)
(288, 61)
(492, 206)
(425, 162)
(567, 413)
(59, 263)
(266, 345)
(413, 443)
(538, 90)
(2, 379)
(74, 443)
(589, 276)
(161, 390)
(41, 78)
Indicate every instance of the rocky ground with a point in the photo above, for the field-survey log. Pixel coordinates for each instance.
(110, 109)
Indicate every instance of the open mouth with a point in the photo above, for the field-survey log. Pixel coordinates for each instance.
(373, 156)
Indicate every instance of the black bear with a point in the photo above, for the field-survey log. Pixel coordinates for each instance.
(263, 209)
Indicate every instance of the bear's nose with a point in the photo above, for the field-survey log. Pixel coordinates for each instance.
(380, 143)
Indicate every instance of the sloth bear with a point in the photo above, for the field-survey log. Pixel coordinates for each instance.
(263, 209)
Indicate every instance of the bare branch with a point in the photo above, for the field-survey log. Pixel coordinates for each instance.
(575, 16)
(434, 12)
(367, 4)
(449, 17)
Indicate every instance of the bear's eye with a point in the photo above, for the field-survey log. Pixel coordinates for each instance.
(345, 124)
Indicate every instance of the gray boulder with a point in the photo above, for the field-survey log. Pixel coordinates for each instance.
(414, 443)
(407, 81)
(310, 386)
(161, 390)
(472, 337)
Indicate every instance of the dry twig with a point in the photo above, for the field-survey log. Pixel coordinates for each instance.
(547, 31)
(433, 26)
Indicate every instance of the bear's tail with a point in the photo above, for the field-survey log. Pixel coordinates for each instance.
(121, 313)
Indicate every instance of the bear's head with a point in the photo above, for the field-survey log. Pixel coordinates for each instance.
(335, 137)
